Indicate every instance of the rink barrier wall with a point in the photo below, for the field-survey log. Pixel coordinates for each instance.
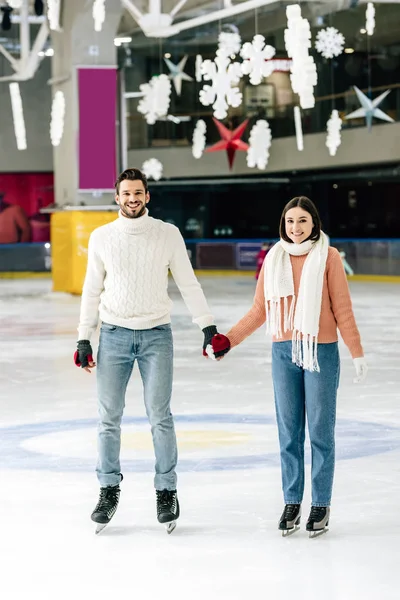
(65, 259)
(202, 273)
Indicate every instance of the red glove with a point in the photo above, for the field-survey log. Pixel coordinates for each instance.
(220, 345)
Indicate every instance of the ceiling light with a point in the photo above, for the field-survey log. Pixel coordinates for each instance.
(167, 55)
(349, 50)
(118, 41)
(363, 31)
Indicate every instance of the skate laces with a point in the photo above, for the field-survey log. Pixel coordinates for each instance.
(165, 500)
(108, 496)
(317, 513)
(290, 511)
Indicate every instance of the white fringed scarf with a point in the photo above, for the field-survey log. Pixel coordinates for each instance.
(303, 314)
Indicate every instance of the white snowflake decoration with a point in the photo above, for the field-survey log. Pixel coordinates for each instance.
(255, 55)
(57, 118)
(229, 43)
(259, 145)
(330, 42)
(152, 168)
(303, 70)
(199, 138)
(156, 98)
(221, 94)
(333, 139)
(370, 18)
(99, 14)
(199, 62)
(53, 14)
(298, 128)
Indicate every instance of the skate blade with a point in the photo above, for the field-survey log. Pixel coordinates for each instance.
(314, 534)
(100, 527)
(288, 532)
(170, 527)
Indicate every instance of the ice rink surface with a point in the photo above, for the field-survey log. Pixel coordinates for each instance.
(226, 545)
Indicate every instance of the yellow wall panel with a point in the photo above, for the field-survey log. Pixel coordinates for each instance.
(70, 232)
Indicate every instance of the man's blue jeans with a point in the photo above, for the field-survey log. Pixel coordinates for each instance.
(153, 350)
(300, 393)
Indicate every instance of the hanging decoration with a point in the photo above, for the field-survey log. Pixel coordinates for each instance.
(53, 14)
(153, 168)
(298, 128)
(177, 73)
(229, 43)
(156, 98)
(255, 55)
(18, 116)
(330, 42)
(369, 108)
(303, 70)
(220, 93)
(370, 18)
(334, 126)
(259, 144)
(199, 62)
(230, 140)
(199, 139)
(99, 14)
(57, 118)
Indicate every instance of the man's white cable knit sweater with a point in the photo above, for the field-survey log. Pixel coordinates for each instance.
(126, 281)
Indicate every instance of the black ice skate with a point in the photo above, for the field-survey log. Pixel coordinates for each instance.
(106, 506)
(167, 508)
(290, 520)
(318, 521)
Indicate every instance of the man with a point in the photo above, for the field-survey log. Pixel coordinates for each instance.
(14, 224)
(126, 286)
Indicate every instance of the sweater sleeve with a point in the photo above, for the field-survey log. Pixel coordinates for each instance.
(92, 289)
(341, 304)
(253, 319)
(187, 283)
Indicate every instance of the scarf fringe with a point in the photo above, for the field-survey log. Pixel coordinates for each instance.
(273, 312)
(304, 351)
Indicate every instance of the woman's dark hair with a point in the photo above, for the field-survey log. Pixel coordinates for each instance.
(132, 175)
(307, 205)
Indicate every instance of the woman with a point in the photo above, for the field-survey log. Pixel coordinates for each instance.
(303, 295)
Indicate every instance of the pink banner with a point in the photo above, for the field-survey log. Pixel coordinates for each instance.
(97, 89)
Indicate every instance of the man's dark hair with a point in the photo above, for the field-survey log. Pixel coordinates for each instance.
(307, 205)
(131, 175)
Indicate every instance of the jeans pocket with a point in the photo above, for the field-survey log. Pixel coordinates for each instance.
(165, 327)
(108, 327)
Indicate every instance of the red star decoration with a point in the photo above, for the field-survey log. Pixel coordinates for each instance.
(230, 140)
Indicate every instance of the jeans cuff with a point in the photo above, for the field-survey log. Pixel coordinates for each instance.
(321, 504)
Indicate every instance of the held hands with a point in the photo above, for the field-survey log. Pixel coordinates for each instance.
(83, 356)
(361, 367)
(215, 344)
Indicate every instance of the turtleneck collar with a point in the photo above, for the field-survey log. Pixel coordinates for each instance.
(134, 226)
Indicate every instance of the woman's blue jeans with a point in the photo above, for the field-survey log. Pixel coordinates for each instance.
(300, 393)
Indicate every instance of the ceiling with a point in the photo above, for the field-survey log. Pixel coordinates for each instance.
(346, 15)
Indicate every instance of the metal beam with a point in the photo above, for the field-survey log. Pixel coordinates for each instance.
(13, 61)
